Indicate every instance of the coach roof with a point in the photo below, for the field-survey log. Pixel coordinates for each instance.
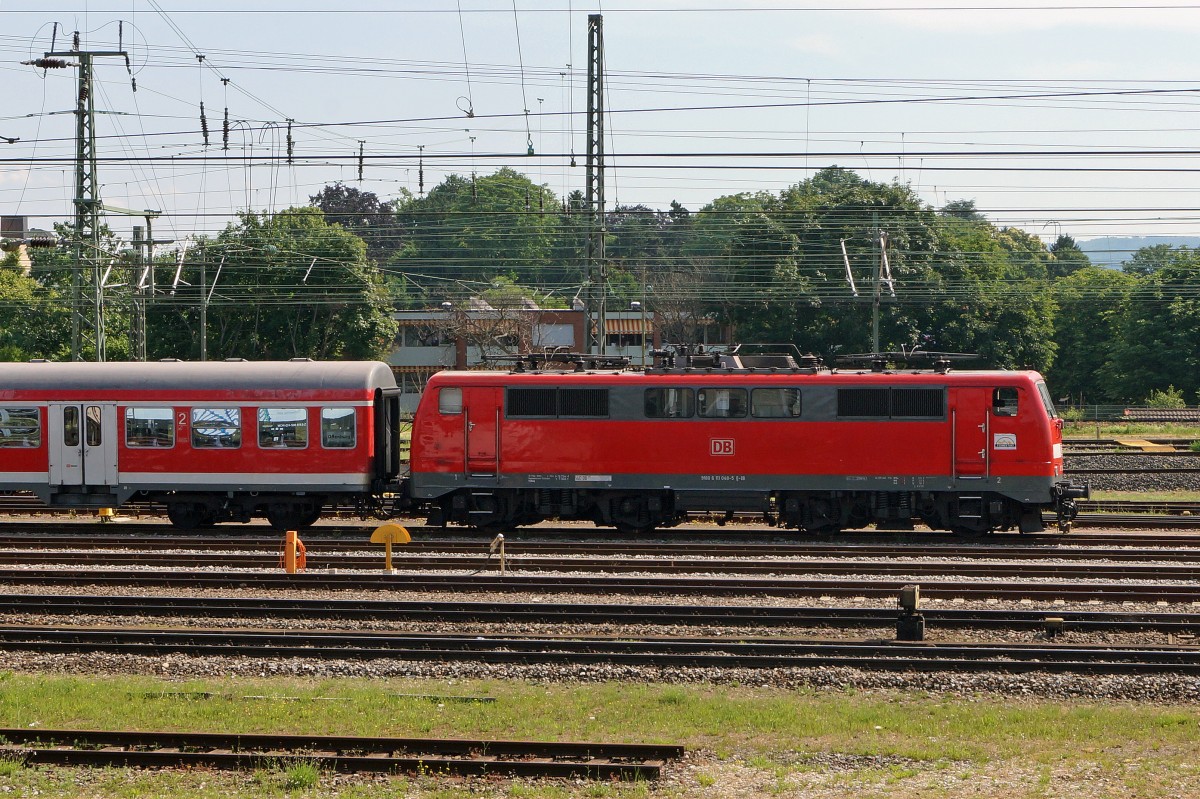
(195, 375)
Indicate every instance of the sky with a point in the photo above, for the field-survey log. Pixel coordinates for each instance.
(1056, 117)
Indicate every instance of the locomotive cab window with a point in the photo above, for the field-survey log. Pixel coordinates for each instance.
(1004, 401)
(450, 400)
(670, 403)
(775, 403)
(282, 428)
(337, 428)
(20, 427)
(216, 428)
(721, 403)
(149, 427)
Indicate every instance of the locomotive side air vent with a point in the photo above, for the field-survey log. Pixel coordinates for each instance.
(583, 402)
(552, 402)
(922, 403)
(863, 402)
(532, 402)
(891, 403)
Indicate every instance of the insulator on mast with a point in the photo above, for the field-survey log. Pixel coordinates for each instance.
(225, 130)
(289, 142)
(203, 124)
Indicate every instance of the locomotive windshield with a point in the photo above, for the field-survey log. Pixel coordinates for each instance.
(1044, 393)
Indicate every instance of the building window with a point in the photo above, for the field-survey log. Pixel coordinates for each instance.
(149, 427)
(20, 427)
(775, 403)
(283, 428)
(337, 428)
(721, 403)
(216, 428)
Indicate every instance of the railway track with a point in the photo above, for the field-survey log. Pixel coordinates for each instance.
(708, 586)
(991, 568)
(663, 652)
(459, 612)
(597, 761)
(321, 547)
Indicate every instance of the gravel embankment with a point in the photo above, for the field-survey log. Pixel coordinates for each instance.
(1134, 477)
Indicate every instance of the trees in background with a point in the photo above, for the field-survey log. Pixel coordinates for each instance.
(771, 267)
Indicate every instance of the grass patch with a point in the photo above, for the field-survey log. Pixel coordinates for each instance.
(1090, 430)
(886, 740)
(1175, 495)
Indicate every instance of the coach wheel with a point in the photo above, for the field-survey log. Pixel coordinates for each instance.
(190, 515)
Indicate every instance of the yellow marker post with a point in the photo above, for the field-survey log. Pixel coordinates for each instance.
(388, 534)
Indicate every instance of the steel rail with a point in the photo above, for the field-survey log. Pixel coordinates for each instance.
(667, 565)
(710, 586)
(741, 653)
(583, 614)
(600, 761)
(519, 545)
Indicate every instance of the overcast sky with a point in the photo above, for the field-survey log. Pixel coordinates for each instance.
(1054, 116)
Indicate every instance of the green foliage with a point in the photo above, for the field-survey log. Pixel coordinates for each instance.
(1170, 397)
(472, 229)
(282, 286)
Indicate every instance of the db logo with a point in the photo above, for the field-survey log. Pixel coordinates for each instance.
(720, 446)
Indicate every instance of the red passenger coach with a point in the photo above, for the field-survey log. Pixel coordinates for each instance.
(213, 441)
(808, 447)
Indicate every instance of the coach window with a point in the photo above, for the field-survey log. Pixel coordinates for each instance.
(721, 403)
(71, 426)
(775, 403)
(20, 427)
(92, 426)
(283, 428)
(670, 403)
(1004, 401)
(450, 400)
(149, 427)
(216, 428)
(337, 428)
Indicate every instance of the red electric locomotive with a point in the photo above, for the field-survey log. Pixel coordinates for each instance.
(805, 446)
(213, 441)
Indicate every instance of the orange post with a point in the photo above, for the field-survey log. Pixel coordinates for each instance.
(294, 552)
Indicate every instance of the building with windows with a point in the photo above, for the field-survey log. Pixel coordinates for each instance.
(476, 335)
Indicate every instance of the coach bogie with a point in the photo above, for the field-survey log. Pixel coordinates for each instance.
(192, 513)
(294, 514)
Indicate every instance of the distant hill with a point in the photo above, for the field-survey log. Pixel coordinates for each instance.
(1111, 251)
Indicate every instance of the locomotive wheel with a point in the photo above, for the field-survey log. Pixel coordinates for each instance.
(190, 516)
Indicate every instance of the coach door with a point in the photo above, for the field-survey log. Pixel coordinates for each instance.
(83, 444)
(970, 430)
(481, 412)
